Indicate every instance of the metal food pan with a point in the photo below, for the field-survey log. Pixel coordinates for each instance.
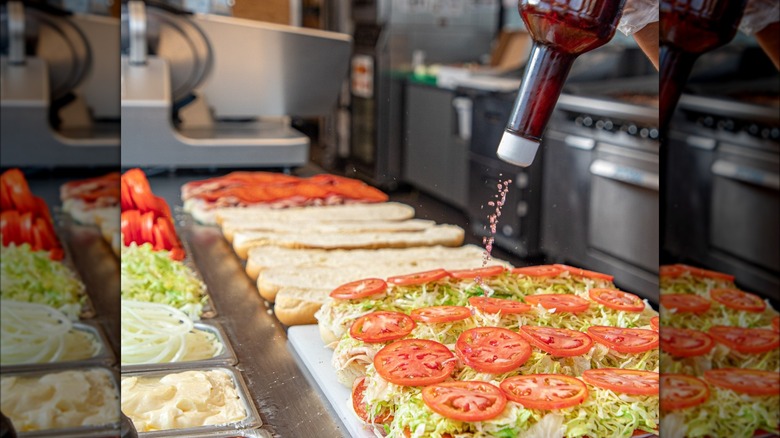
(104, 355)
(226, 357)
(251, 421)
(110, 429)
(236, 433)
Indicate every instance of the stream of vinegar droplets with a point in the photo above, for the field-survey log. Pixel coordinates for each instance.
(498, 203)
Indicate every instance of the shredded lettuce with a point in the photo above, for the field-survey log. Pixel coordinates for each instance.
(721, 356)
(727, 414)
(718, 315)
(32, 277)
(595, 315)
(687, 284)
(154, 277)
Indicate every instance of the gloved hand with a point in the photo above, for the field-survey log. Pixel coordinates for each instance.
(758, 15)
(639, 13)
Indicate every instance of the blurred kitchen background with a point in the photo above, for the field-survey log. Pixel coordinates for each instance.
(413, 96)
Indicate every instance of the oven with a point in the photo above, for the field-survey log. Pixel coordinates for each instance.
(723, 184)
(601, 183)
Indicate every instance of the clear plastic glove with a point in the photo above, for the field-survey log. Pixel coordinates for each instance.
(639, 13)
(758, 15)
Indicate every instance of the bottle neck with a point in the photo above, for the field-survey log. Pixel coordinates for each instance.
(676, 66)
(542, 83)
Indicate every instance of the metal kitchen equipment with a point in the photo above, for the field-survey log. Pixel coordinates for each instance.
(387, 33)
(600, 182)
(723, 180)
(206, 90)
(59, 92)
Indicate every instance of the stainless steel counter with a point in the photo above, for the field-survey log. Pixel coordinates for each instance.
(289, 405)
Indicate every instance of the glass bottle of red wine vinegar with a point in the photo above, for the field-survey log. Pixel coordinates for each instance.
(689, 28)
(561, 31)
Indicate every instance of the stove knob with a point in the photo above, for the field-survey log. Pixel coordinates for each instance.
(608, 125)
(644, 132)
(600, 124)
(587, 121)
(775, 134)
(632, 129)
(753, 129)
(708, 122)
(653, 133)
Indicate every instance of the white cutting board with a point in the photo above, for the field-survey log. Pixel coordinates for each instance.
(306, 341)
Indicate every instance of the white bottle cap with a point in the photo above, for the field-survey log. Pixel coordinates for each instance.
(517, 150)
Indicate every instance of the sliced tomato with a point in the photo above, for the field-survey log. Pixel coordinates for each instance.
(486, 272)
(359, 405)
(435, 314)
(126, 199)
(739, 300)
(159, 241)
(130, 223)
(492, 350)
(140, 191)
(10, 227)
(18, 190)
(636, 382)
(465, 400)
(414, 362)
(498, 305)
(6, 202)
(359, 289)
(381, 327)
(558, 342)
(616, 299)
(538, 271)
(682, 342)
(56, 254)
(418, 278)
(751, 382)
(45, 231)
(706, 273)
(559, 302)
(578, 272)
(147, 227)
(671, 271)
(545, 391)
(679, 391)
(776, 322)
(686, 303)
(654, 323)
(168, 232)
(177, 254)
(624, 340)
(746, 340)
(26, 221)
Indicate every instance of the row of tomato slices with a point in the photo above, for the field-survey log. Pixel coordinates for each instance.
(685, 342)
(247, 188)
(481, 401)
(104, 190)
(147, 218)
(678, 270)
(24, 217)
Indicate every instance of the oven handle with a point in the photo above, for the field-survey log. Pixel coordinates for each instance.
(626, 174)
(746, 174)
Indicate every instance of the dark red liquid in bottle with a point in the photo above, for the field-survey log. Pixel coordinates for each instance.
(689, 28)
(561, 30)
